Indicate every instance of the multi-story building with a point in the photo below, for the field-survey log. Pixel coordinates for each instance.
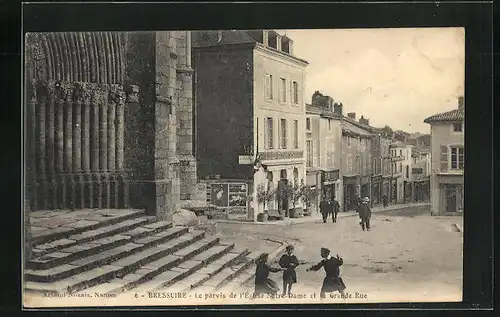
(447, 160)
(356, 169)
(421, 167)
(249, 103)
(398, 153)
(324, 146)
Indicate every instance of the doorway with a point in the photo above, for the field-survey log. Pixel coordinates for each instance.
(450, 199)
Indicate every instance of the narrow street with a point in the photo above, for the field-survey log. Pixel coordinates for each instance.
(405, 257)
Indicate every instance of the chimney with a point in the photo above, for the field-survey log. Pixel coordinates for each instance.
(461, 102)
(337, 108)
(352, 115)
(265, 37)
(363, 120)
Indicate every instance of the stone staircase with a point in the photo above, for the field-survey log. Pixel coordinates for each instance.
(135, 254)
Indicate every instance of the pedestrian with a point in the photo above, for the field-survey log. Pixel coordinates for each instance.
(325, 208)
(332, 282)
(365, 214)
(289, 262)
(263, 284)
(335, 209)
(385, 201)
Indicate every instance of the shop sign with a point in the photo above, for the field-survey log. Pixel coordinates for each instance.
(330, 176)
(231, 195)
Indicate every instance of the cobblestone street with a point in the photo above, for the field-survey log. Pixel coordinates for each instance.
(408, 256)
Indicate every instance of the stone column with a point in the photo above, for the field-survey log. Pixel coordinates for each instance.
(113, 100)
(94, 144)
(31, 120)
(69, 189)
(87, 198)
(41, 149)
(77, 179)
(50, 129)
(59, 145)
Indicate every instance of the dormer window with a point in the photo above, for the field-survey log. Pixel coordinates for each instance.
(287, 45)
(265, 37)
(273, 37)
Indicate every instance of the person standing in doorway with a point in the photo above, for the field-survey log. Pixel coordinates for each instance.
(385, 201)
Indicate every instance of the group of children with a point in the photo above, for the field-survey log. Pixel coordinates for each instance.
(288, 262)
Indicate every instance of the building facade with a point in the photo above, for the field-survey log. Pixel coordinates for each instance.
(356, 170)
(447, 161)
(108, 121)
(249, 103)
(421, 167)
(397, 171)
(324, 146)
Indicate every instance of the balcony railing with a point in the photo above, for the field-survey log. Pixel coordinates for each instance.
(398, 158)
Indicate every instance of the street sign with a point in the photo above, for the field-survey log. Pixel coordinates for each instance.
(245, 159)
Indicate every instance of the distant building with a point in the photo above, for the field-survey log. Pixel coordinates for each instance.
(381, 164)
(447, 165)
(249, 103)
(421, 167)
(324, 146)
(400, 170)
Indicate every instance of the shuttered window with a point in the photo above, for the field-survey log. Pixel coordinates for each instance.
(444, 158)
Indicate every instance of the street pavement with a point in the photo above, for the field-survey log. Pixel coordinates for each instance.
(406, 257)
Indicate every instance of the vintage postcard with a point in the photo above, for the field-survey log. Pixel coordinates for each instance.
(230, 167)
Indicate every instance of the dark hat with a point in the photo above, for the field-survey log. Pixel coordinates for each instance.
(325, 250)
(290, 247)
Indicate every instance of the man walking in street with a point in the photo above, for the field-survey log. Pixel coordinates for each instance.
(365, 214)
(335, 209)
(325, 207)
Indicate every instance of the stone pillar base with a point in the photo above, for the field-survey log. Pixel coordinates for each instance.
(154, 196)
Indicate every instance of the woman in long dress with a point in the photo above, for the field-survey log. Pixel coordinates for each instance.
(263, 284)
(332, 282)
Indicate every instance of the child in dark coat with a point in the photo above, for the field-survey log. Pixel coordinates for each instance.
(263, 284)
(289, 262)
(332, 282)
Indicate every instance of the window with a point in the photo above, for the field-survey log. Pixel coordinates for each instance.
(348, 141)
(269, 133)
(407, 171)
(329, 125)
(457, 127)
(295, 134)
(309, 150)
(295, 92)
(283, 133)
(282, 90)
(457, 158)
(349, 163)
(400, 152)
(400, 167)
(268, 89)
(308, 124)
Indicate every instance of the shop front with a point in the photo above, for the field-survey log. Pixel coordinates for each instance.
(329, 183)
(351, 191)
(448, 195)
(376, 192)
(313, 179)
(408, 192)
(365, 186)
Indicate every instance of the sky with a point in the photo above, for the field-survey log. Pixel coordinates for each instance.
(396, 77)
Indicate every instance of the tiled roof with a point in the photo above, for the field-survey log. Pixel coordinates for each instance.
(452, 115)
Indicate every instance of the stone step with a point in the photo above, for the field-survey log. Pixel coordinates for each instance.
(103, 258)
(75, 252)
(90, 235)
(101, 218)
(201, 276)
(226, 275)
(118, 268)
(178, 261)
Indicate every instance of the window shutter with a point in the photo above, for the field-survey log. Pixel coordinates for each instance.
(444, 158)
(315, 154)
